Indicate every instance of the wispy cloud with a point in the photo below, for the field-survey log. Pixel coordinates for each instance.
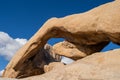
(1, 72)
(8, 45)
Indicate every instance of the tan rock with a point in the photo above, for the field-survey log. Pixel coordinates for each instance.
(98, 66)
(52, 66)
(34, 65)
(99, 25)
(76, 51)
(7, 79)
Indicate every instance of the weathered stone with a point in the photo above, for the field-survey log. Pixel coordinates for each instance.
(98, 66)
(52, 66)
(7, 79)
(99, 25)
(34, 65)
(76, 51)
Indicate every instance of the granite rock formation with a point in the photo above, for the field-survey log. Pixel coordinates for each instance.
(76, 51)
(84, 33)
(35, 64)
(98, 66)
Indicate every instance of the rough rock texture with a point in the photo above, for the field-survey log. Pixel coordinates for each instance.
(76, 51)
(7, 79)
(35, 64)
(93, 28)
(98, 66)
(52, 66)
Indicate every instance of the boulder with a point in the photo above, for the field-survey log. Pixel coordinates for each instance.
(76, 51)
(98, 66)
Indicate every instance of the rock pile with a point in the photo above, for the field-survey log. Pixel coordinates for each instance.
(84, 34)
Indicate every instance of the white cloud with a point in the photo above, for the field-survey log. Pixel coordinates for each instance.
(66, 60)
(1, 72)
(8, 45)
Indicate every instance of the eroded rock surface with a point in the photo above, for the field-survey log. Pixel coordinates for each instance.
(76, 51)
(98, 66)
(34, 65)
(52, 66)
(93, 28)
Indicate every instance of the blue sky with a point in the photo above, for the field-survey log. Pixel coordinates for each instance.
(22, 18)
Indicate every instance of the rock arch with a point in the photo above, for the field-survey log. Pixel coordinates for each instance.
(85, 33)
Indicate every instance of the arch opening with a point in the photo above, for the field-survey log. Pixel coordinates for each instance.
(64, 59)
(110, 46)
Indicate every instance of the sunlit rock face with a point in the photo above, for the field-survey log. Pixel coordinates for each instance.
(85, 34)
(98, 66)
